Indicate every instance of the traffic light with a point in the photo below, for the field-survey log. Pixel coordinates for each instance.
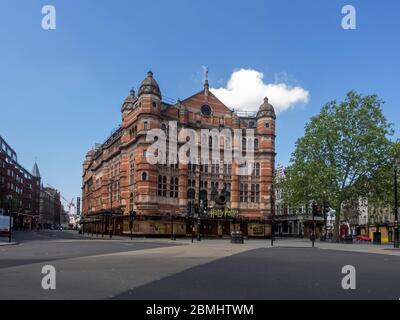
(189, 208)
(205, 206)
(327, 207)
(314, 209)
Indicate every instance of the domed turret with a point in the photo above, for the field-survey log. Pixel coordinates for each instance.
(266, 110)
(149, 86)
(129, 101)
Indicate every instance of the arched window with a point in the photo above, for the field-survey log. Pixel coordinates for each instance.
(144, 176)
(176, 187)
(257, 193)
(253, 193)
(159, 186)
(131, 169)
(171, 187)
(191, 194)
(164, 186)
(256, 144)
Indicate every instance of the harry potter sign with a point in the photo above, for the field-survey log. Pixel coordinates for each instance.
(225, 213)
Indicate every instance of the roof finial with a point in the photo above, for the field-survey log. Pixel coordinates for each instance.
(206, 85)
(205, 74)
(132, 92)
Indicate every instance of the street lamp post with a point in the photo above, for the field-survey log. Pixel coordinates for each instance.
(10, 223)
(172, 226)
(396, 210)
(102, 226)
(314, 209)
(199, 206)
(110, 226)
(132, 217)
(272, 231)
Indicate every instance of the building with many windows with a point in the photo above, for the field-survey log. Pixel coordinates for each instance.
(202, 195)
(19, 188)
(290, 221)
(51, 210)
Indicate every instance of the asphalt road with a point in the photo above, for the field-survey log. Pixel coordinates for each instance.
(47, 246)
(280, 273)
(151, 269)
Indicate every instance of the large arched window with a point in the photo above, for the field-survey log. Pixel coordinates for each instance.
(191, 193)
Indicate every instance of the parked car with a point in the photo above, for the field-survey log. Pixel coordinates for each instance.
(363, 238)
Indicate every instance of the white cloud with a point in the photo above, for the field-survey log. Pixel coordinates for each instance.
(246, 91)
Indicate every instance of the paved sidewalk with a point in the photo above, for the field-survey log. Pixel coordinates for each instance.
(4, 241)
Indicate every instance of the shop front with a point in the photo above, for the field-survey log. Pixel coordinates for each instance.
(218, 223)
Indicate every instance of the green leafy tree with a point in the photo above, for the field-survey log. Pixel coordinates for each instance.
(345, 151)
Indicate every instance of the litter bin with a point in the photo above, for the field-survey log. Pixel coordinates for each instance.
(237, 237)
(377, 238)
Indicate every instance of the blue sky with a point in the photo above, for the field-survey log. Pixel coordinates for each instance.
(61, 90)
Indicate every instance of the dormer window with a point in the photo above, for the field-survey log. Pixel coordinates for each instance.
(206, 110)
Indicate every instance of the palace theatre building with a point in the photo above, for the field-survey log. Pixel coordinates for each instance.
(122, 193)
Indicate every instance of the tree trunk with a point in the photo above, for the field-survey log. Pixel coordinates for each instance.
(336, 236)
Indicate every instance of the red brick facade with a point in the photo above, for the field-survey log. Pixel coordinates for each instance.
(20, 185)
(159, 194)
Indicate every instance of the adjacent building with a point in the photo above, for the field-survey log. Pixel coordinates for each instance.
(51, 210)
(19, 188)
(296, 221)
(366, 219)
(166, 198)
